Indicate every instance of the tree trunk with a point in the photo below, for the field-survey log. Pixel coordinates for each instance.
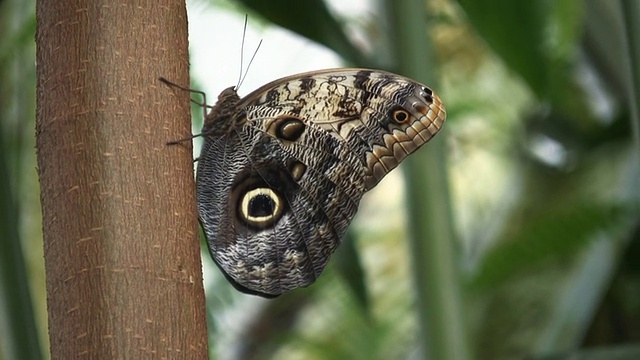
(122, 251)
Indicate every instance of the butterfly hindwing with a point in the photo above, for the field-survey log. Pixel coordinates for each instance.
(310, 211)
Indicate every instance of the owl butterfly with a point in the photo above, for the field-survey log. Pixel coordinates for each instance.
(282, 170)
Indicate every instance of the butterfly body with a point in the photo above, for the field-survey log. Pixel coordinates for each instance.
(282, 170)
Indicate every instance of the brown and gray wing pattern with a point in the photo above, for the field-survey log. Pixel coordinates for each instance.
(282, 172)
(383, 117)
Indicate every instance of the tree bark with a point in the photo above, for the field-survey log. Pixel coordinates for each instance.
(122, 251)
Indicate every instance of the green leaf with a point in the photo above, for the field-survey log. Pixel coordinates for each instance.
(534, 38)
(556, 231)
(310, 19)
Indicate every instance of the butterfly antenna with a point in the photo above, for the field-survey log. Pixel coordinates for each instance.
(244, 35)
(250, 62)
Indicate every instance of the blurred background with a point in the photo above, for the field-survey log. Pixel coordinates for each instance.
(513, 235)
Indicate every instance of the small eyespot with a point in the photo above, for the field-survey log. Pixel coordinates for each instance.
(260, 207)
(296, 169)
(424, 110)
(400, 115)
(427, 94)
(289, 128)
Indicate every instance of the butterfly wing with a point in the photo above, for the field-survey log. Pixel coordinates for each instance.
(277, 192)
(383, 117)
(274, 214)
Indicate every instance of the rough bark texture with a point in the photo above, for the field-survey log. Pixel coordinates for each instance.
(122, 254)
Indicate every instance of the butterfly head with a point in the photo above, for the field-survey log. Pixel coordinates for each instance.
(225, 115)
(228, 94)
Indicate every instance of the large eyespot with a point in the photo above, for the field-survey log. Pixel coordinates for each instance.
(399, 115)
(288, 128)
(261, 207)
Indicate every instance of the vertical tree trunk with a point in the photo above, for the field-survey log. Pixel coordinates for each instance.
(122, 254)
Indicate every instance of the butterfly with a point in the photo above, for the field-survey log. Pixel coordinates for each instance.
(282, 170)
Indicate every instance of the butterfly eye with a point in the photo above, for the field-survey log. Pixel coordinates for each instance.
(289, 128)
(400, 115)
(260, 207)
